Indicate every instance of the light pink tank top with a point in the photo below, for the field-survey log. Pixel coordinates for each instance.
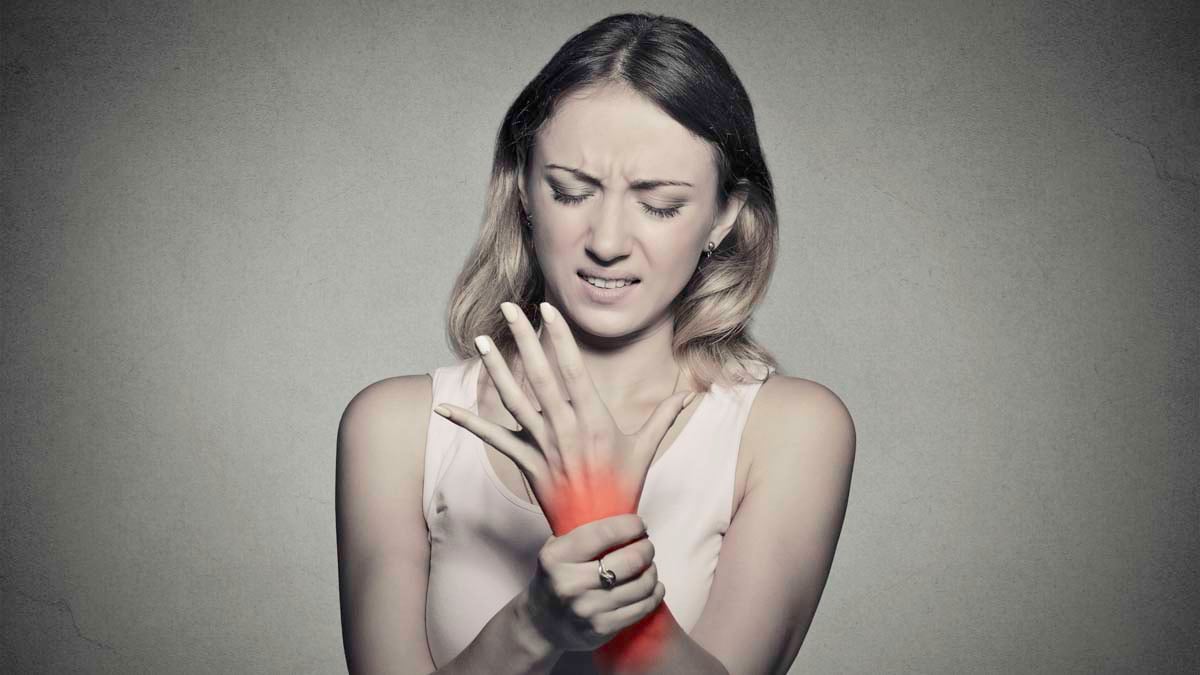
(484, 540)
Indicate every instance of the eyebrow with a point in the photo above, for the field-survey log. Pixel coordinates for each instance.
(635, 185)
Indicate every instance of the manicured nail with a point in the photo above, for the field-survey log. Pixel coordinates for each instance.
(688, 399)
(549, 314)
(442, 410)
(511, 313)
(483, 344)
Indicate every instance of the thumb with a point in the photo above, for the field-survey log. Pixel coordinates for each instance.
(655, 428)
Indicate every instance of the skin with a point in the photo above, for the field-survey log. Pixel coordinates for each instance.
(597, 370)
(618, 137)
(795, 460)
(613, 135)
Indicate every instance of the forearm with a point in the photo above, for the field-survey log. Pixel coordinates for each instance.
(508, 644)
(657, 645)
(677, 654)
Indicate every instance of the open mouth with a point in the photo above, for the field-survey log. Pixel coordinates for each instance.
(612, 291)
(607, 283)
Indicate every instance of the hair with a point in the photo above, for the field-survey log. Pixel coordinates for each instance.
(674, 65)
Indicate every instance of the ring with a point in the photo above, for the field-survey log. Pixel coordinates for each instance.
(608, 578)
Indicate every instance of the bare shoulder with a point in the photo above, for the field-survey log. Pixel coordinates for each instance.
(389, 404)
(383, 429)
(388, 393)
(794, 415)
(382, 539)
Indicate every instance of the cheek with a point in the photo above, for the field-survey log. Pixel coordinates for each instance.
(554, 238)
(676, 247)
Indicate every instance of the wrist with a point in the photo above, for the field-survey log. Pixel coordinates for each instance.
(599, 494)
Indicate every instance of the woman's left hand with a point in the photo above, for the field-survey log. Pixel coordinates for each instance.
(581, 466)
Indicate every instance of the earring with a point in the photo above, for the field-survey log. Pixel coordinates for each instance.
(709, 248)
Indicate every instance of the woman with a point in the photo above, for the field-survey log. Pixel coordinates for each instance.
(601, 321)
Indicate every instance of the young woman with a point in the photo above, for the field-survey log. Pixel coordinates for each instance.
(613, 467)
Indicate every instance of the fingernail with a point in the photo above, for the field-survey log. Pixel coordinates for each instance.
(688, 399)
(483, 344)
(442, 410)
(511, 313)
(549, 314)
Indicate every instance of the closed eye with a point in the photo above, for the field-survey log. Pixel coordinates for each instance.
(668, 212)
(568, 199)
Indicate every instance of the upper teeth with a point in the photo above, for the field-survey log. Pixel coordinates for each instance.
(608, 283)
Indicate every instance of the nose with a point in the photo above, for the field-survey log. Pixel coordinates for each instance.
(609, 234)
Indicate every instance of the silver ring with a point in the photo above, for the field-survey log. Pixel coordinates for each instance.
(608, 578)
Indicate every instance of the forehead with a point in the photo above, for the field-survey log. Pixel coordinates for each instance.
(615, 130)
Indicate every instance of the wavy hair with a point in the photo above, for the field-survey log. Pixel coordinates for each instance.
(677, 67)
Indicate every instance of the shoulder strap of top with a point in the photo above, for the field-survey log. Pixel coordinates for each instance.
(454, 384)
(724, 430)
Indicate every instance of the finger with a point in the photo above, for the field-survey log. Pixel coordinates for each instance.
(605, 600)
(651, 434)
(591, 540)
(511, 394)
(628, 615)
(626, 562)
(527, 458)
(537, 370)
(584, 397)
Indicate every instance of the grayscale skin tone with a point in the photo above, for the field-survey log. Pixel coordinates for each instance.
(794, 464)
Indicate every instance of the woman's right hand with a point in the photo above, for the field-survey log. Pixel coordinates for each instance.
(581, 466)
(565, 600)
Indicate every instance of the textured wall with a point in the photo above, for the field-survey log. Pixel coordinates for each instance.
(220, 221)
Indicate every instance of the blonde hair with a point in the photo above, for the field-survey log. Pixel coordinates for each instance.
(675, 66)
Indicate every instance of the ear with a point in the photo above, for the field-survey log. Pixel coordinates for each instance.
(727, 216)
(521, 190)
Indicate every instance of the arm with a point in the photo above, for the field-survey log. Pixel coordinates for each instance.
(383, 546)
(779, 548)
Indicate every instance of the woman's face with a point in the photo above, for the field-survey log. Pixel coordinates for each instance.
(617, 189)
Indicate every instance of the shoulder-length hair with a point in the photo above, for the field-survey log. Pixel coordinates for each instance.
(674, 65)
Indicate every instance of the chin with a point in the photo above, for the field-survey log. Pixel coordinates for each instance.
(604, 322)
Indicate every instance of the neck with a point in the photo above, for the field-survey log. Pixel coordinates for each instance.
(634, 372)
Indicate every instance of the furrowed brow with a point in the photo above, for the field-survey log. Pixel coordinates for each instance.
(638, 185)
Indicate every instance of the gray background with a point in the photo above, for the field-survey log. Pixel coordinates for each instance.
(221, 221)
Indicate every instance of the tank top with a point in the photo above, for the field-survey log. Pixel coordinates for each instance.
(484, 540)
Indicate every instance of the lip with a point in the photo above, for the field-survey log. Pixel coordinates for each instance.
(595, 272)
(606, 296)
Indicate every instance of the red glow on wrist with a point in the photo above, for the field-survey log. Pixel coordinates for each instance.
(637, 647)
(601, 495)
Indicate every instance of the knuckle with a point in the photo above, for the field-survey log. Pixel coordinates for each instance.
(640, 555)
(567, 429)
(560, 587)
(637, 526)
(613, 531)
(571, 370)
(579, 607)
(597, 438)
(633, 561)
